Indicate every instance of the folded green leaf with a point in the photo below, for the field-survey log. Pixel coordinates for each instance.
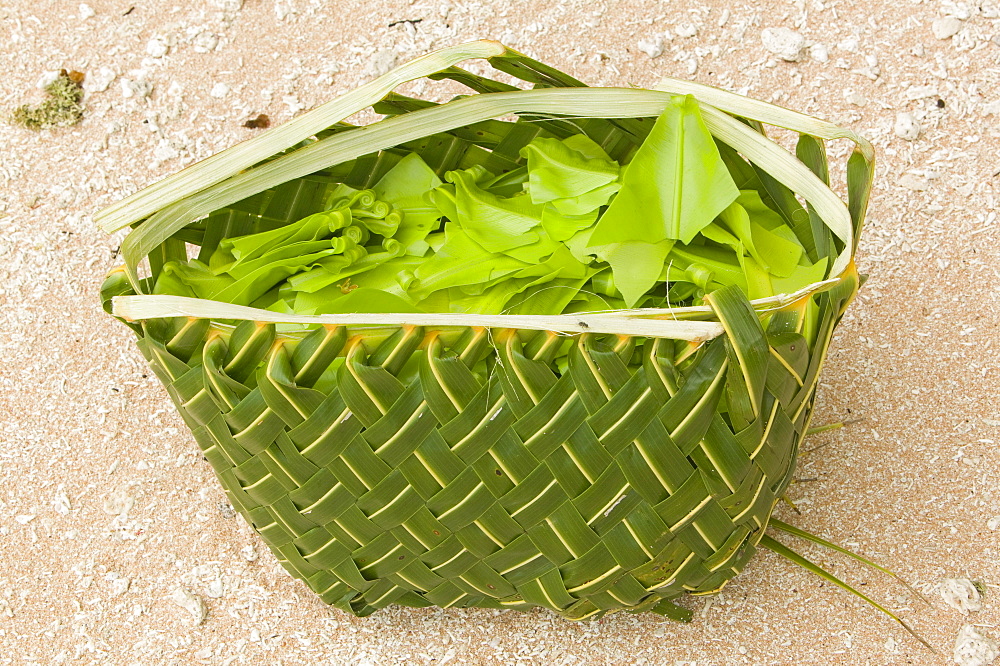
(748, 223)
(241, 249)
(574, 174)
(461, 260)
(561, 227)
(498, 224)
(192, 278)
(636, 266)
(674, 186)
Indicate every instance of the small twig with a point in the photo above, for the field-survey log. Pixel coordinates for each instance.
(784, 498)
(410, 21)
(823, 428)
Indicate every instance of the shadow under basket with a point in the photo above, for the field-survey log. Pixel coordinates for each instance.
(455, 465)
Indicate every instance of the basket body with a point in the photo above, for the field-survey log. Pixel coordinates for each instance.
(618, 485)
(460, 467)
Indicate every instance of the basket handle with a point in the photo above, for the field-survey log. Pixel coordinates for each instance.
(594, 102)
(231, 161)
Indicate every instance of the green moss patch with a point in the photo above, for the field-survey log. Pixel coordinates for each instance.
(62, 108)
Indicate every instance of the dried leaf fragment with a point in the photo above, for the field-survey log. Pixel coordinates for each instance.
(260, 122)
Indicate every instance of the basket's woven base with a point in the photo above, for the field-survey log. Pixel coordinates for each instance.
(404, 474)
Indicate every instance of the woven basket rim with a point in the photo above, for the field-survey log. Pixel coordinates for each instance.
(647, 322)
(169, 204)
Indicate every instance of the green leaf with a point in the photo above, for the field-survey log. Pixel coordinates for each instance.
(406, 187)
(749, 224)
(721, 264)
(561, 227)
(365, 299)
(461, 260)
(254, 285)
(409, 179)
(192, 278)
(241, 269)
(338, 268)
(498, 224)
(800, 277)
(242, 249)
(574, 174)
(675, 185)
(551, 296)
(588, 201)
(758, 280)
(636, 266)
(392, 277)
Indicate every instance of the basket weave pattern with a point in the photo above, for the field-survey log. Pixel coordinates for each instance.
(615, 486)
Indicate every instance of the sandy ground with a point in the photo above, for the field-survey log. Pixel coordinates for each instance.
(106, 506)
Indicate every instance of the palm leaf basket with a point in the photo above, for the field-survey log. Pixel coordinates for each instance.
(647, 469)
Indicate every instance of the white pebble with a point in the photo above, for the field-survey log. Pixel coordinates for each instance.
(944, 28)
(98, 81)
(190, 602)
(855, 98)
(47, 79)
(205, 41)
(215, 589)
(60, 503)
(906, 126)
(653, 47)
(85, 11)
(165, 151)
(785, 43)
(961, 594)
(293, 104)
(819, 52)
(248, 553)
(220, 90)
(119, 584)
(993, 524)
(382, 61)
(959, 10)
(156, 48)
(118, 503)
(686, 30)
(136, 88)
(848, 44)
(974, 648)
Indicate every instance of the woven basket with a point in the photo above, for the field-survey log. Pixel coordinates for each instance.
(380, 469)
